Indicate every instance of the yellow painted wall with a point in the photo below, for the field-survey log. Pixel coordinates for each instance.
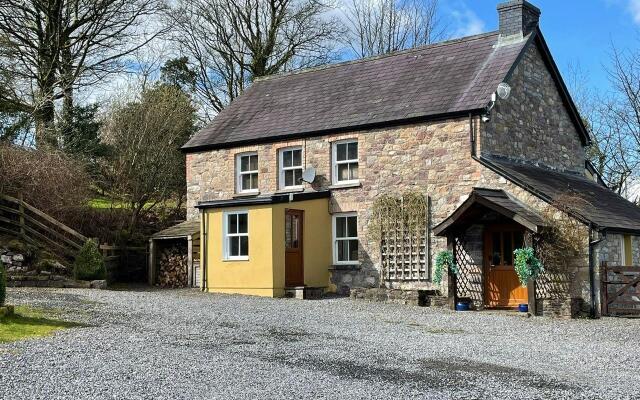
(316, 239)
(252, 277)
(628, 251)
(263, 273)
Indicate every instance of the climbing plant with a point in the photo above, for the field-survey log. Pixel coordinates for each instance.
(444, 262)
(398, 224)
(527, 265)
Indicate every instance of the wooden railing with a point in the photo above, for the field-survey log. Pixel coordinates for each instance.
(620, 290)
(22, 220)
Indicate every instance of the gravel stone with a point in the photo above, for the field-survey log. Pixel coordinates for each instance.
(184, 344)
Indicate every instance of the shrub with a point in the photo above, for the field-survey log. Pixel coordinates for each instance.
(444, 261)
(89, 264)
(527, 265)
(48, 180)
(3, 284)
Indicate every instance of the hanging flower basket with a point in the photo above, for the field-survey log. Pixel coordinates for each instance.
(444, 262)
(527, 265)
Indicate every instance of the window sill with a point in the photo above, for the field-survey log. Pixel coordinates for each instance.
(345, 267)
(235, 259)
(290, 190)
(345, 185)
(245, 194)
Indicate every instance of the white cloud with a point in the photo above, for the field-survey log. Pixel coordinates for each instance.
(634, 9)
(467, 23)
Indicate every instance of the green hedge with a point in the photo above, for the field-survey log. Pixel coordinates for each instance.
(89, 264)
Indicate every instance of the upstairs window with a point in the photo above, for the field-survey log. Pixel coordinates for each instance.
(345, 238)
(290, 167)
(247, 172)
(345, 162)
(236, 235)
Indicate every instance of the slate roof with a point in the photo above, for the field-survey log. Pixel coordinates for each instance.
(496, 200)
(183, 229)
(602, 207)
(442, 79)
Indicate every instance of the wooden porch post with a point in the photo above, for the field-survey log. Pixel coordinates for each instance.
(451, 278)
(531, 288)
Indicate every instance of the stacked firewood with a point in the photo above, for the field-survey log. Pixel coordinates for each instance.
(173, 268)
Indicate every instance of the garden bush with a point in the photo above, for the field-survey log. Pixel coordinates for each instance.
(89, 264)
(3, 284)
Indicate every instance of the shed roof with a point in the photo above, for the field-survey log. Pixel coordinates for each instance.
(602, 207)
(441, 79)
(183, 229)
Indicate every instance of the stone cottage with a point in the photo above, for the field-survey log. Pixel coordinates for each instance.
(285, 180)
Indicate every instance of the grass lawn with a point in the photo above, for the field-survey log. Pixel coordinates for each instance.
(103, 202)
(28, 323)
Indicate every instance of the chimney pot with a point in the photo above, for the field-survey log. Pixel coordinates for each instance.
(517, 18)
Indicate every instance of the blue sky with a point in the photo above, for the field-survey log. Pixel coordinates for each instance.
(579, 32)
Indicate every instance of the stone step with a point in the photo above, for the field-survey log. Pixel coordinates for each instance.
(304, 292)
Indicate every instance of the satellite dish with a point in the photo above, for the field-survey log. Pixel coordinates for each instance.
(309, 175)
(504, 90)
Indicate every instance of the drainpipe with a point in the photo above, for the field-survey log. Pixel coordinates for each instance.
(592, 269)
(472, 135)
(203, 245)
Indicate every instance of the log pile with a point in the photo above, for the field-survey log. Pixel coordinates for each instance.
(173, 268)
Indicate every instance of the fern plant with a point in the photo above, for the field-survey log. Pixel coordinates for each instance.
(527, 265)
(444, 261)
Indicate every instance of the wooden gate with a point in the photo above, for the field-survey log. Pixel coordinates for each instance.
(620, 290)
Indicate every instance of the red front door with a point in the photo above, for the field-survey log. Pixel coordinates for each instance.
(294, 266)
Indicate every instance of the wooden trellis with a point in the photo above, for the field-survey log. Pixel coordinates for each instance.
(404, 249)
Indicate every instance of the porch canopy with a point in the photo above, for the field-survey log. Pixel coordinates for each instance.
(480, 201)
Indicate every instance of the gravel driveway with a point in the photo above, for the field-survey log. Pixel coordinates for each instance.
(183, 344)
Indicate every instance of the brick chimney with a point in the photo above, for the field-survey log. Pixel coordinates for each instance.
(517, 19)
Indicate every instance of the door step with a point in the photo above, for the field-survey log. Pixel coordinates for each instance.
(304, 292)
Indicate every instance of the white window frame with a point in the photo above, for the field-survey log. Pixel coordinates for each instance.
(335, 239)
(335, 162)
(226, 248)
(282, 168)
(240, 173)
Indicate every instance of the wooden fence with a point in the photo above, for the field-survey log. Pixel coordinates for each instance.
(125, 264)
(20, 219)
(620, 290)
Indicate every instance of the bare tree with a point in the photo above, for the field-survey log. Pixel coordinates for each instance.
(230, 43)
(50, 47)
(146, 134)
(382, 26)
(613, 119)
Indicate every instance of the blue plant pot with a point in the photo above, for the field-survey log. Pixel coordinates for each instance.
(462, 307)
(523, 308)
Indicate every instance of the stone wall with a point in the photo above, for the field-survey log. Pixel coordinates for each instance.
(433, 157)
(533, 124)
(610, 250)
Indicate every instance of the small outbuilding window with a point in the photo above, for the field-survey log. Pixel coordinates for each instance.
(345, 238)
(236, 235)
(290, 162)
(345, 162)
(247, 172)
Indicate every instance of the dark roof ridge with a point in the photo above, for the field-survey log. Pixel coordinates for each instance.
(377, 57)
